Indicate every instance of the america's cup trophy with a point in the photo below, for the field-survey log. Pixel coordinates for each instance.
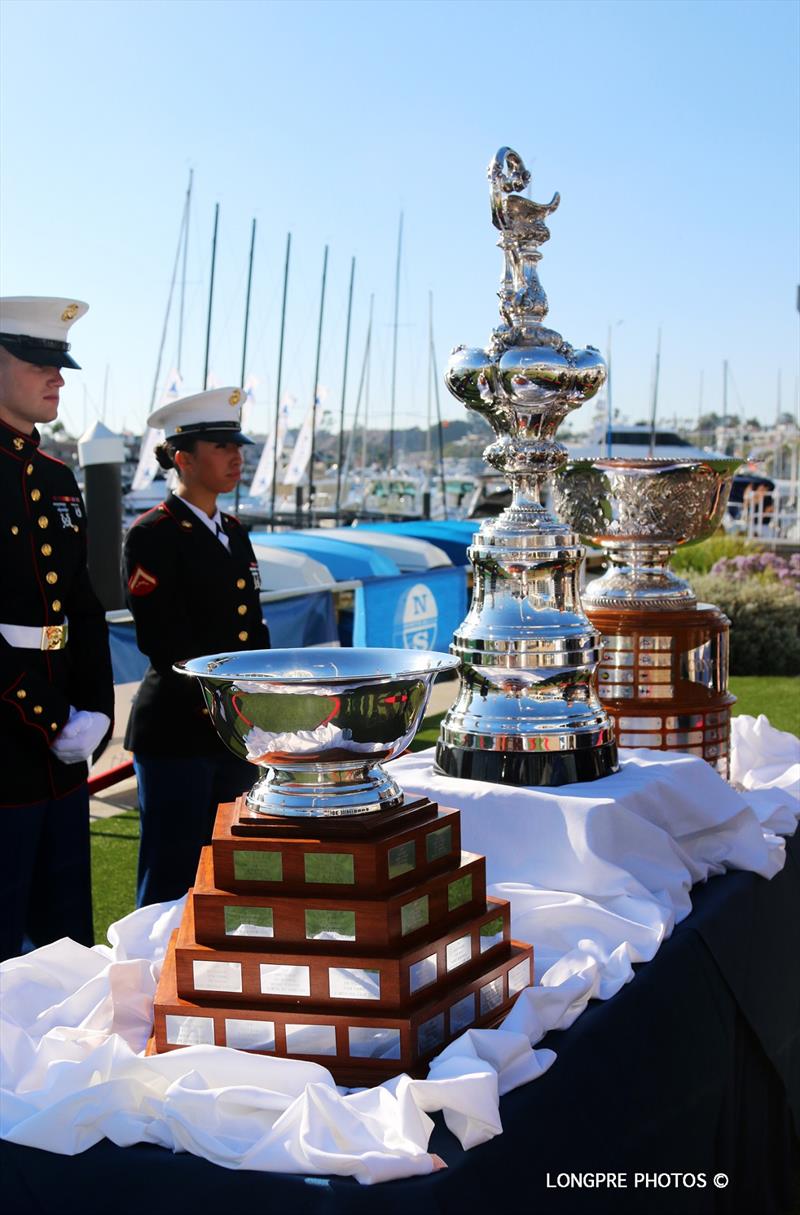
(526, 711)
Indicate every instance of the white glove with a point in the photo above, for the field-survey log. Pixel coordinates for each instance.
(80, 737)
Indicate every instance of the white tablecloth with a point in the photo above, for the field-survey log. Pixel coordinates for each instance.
(598, 875)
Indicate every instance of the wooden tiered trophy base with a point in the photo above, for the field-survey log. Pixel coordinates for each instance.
(364, 943)
(663, 678)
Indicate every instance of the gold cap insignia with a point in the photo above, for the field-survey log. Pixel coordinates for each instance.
(69, 312)
(235, 397)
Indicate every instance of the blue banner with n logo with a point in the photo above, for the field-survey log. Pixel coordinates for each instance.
(419, 611)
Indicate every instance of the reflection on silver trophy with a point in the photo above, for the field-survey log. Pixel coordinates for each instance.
(639, 512)
(526, 712)
(318, 722)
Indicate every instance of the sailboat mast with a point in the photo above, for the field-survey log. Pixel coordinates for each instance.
(278, 388)
(367, 367)
(428, 460)
(654, 404)
(344, 389)
(181, 238)
(244, 339)
(211, 294)
(315, 388)
(394, 341)
(439, 427)
(187, 207)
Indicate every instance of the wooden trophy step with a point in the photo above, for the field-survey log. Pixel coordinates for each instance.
(379, 922)
(398, 848)
(246, 821)
(325, 979)
(357, 1049)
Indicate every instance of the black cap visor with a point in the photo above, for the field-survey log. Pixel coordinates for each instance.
(50, 355)
(209, 435)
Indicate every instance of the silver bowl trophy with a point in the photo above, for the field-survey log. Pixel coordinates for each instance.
(331, 918)
(526, 711)
(318, 722)
(663, 673)
(639, 512)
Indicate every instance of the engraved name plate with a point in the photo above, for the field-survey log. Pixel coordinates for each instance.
(459, 952)
(491, 995)
(462, 1013)
(640, 740)
(430, 1034)
(217, 976)
(334, 868)
(402, 858)
(459, 892)
(190, 1031)
(519, 976)
(640, 723)
(257, 866)
(330, 925)
(250, 1035)
(375, 1042)
(438, 843)
(285, 980)
(310, 1040)
(491, 933)
(681, 738)
(685, 721)
(351, 983)
(655, 660)
(414, 915)
(248, 922)
(421, 973)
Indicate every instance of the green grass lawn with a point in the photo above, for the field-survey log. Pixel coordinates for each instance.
(115, 840)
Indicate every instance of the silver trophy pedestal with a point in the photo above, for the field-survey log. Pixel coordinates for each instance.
(526, 711)
(319, 722)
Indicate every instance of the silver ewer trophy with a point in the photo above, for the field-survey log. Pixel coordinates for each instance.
(318, 722)
(526, 711)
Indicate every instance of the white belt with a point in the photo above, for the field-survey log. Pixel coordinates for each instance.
(38, 637)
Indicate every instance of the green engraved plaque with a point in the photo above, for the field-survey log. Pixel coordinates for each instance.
(491, 933)
(439, 843)
(248, 922)
(257, 866)
(402, 858)
(459, 892)
(330, 925)
(414, 915)
(332, 867)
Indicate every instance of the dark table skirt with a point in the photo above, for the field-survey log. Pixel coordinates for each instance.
(692, 1069)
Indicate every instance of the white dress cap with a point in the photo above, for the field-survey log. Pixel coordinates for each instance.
(219, 410)
(35, 327)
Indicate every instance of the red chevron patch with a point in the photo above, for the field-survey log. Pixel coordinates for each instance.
(142, 583)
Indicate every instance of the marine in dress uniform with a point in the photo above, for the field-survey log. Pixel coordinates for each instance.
(193, 589)
(56, 685)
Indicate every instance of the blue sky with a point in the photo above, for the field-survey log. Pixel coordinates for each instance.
(670, 130)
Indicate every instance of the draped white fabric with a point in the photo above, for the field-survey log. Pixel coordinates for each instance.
(598, 876)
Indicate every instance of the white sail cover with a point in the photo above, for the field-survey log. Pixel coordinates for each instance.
(147, 467)
(302, 452)
(262, 481)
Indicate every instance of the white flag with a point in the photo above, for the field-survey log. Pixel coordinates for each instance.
(262, 481)
(301, 454)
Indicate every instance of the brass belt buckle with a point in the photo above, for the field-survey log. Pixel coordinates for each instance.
(54, 636)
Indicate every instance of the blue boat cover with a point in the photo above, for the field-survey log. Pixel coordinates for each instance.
(345, 561)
